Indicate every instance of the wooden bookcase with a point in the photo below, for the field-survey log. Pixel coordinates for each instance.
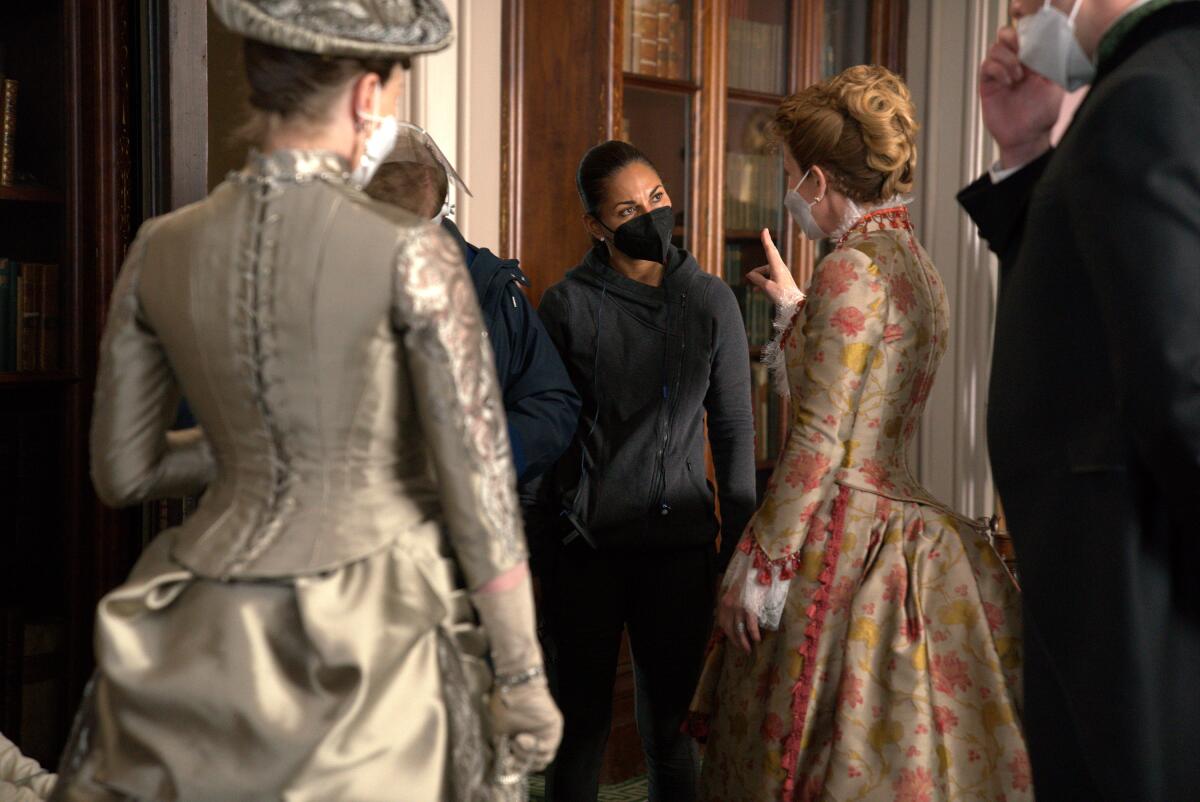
(576, 76)
(72, 207)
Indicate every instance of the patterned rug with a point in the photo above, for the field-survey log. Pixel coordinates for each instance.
(629, 791)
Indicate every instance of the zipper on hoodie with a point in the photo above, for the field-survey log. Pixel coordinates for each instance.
(672, 402)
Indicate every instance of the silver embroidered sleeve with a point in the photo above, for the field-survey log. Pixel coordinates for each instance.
(458, 398)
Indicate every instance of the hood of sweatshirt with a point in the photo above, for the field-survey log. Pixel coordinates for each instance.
(641, 300)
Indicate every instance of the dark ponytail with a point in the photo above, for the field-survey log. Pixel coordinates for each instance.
(601, 163)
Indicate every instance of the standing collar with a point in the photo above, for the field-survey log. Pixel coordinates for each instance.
(295, 165)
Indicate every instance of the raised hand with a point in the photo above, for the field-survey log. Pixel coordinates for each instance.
(774, 278)
(1020, 106)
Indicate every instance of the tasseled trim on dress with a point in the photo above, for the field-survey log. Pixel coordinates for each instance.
(816, 612)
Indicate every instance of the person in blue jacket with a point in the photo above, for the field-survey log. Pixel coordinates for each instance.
(539, 399)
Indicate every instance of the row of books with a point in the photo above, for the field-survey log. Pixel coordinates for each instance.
(30, 318)
(8, 128)
(766, 406)
(758, 313)
(753, 190)
(658, 34)
(757, 56)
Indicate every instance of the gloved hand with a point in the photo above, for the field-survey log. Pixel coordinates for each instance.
(521, 706)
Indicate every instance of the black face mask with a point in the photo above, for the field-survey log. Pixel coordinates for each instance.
(647, 236)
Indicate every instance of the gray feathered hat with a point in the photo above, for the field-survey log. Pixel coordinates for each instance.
(356, 28)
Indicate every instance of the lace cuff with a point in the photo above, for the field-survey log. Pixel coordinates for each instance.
(764, 587)
(773, 355)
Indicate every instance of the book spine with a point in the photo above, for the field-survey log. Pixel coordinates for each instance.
(663, 11)
(51, 334)
(645, 23)
(677, 60)
(29, 292)
(8, 129)
(631, 39)
(7, 332)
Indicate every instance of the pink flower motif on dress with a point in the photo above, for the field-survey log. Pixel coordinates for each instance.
(877, 474)
(922, 384)
(772, 727)
(851, 692)
(840, 595)
(902, 292)
(848, 320)
(807, 469)
(1019, 766)
(895, 585)
(834, 278)
(853, 771)
(913, 629)
(921, 729)
(995, 616)
(913, 751)
(944, 719)
(950, 673)
(914, 785)
(892, 332)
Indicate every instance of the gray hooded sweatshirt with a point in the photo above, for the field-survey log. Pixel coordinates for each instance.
(649, 363)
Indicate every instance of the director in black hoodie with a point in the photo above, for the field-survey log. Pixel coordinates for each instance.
(653, 345)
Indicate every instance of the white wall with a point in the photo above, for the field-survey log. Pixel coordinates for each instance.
(455, 95)
(947, 41)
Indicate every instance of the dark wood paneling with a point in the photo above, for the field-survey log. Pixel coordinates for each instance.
(889, 33)
(101, 196)
(558, 101)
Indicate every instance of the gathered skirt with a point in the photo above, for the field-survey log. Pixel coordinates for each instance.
(894, 674)
(362, 683)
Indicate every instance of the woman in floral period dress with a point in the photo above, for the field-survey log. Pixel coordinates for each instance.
(869, 637)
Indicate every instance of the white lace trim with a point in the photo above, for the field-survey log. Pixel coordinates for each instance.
(773, 355)
(766, 602)
(854, 213)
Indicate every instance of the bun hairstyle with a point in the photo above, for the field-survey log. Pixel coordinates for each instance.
(600, 164)
(291, 85)
(858, 126)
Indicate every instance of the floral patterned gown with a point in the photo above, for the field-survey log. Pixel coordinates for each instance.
(890, 662)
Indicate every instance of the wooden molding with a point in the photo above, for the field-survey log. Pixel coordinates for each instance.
(889, 33)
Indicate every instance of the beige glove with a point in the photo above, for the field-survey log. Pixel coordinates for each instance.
(521, 706)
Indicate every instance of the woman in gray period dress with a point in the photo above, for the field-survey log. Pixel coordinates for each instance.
(305, 635)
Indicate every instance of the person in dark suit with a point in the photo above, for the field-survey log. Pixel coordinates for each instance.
(1094, 407)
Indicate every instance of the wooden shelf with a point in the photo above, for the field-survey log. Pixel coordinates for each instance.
(750, 96)
(749, 233)
(31, 194)
(30, 378)
(662, 84)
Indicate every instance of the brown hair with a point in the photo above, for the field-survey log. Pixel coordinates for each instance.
(418, 188)
(294, 86)
(859, 126)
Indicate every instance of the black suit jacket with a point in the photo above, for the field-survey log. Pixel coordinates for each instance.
(1094, 407)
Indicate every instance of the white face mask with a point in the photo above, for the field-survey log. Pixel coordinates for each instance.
(379, 143)
(1048, 46)
(801, 211)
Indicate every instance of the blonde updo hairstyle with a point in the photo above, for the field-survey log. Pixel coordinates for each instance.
(859, 127)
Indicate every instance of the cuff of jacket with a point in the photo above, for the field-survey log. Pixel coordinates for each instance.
(998, 209)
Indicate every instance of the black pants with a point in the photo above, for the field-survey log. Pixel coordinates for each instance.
(665, 601)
